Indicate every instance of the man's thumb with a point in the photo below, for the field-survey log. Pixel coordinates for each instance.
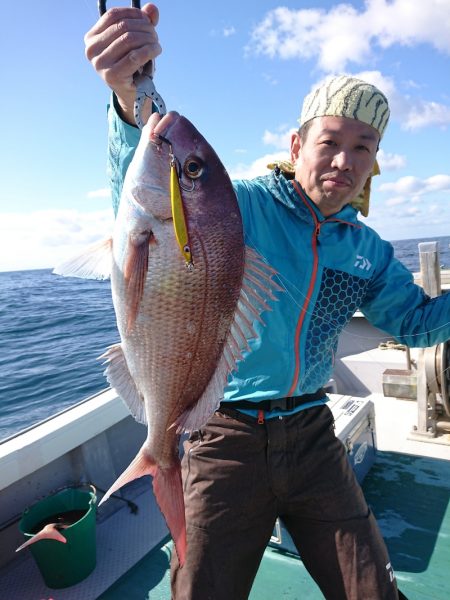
(152, 12)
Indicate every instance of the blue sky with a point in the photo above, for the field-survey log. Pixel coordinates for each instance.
(239, 71)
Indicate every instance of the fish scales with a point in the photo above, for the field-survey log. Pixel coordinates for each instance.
(182, 327)
(179, 333)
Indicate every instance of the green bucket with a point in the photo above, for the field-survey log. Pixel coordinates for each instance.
(63, 565)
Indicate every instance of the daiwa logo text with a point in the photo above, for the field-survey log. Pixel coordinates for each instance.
(363, 263)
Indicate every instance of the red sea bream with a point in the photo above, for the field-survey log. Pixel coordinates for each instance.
(185, 290)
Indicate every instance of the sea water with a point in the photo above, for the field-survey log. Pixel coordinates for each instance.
(52, 329)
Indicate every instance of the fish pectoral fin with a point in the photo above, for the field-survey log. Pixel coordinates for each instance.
(135, 274)
(94, 263)
(49, 532)
(119, 377)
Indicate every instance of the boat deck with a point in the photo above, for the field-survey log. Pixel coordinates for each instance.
(408, 489)
(410, 498)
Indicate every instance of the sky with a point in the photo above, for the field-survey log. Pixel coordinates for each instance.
(239, 71)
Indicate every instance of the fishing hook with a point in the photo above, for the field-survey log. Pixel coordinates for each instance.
(174, 162)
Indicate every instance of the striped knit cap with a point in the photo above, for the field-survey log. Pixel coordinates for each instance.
(345, 96)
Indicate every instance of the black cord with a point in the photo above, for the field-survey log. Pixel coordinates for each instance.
(134, 508)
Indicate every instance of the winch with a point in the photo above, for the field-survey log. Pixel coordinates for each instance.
(437, 371)
(426, 379)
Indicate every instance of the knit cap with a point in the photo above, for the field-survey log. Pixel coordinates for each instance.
(345, 96)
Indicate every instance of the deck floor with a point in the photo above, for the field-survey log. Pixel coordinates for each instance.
(410, 498)
(408, 490)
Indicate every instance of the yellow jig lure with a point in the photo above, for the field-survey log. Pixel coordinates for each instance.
(179, 218)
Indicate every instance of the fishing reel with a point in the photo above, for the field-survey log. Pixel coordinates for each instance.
(437, 372)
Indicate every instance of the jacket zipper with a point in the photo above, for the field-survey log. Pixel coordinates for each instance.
(312, 282)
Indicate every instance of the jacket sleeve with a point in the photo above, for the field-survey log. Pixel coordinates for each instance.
(395, 304)
(122, 142)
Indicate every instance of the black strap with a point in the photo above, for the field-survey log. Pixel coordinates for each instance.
(287, 403)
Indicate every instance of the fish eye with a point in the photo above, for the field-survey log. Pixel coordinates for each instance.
(193, 167)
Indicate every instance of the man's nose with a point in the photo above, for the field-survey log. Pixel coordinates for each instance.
(342, 161)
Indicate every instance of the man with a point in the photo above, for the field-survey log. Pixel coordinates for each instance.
(271, 450)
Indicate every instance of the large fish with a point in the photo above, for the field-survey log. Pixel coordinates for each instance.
(185, 290)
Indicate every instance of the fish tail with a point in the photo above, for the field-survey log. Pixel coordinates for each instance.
(168, 490)
(50, 532)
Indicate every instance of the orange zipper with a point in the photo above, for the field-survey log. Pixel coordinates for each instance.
(317, 225)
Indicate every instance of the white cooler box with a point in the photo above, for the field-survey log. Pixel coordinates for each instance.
(355, 426)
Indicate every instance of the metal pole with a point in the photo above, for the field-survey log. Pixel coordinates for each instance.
(430, 268)
(431, 283)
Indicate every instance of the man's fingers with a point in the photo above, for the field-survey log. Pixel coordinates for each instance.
(97, 42)
(116, 14)
(152, 12)
(120, 68)
(125, 34)
(122, 41)
(137, 44)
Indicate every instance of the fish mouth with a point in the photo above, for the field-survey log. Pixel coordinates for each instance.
(158, 125)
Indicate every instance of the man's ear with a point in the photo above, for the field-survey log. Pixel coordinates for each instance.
(296, 144)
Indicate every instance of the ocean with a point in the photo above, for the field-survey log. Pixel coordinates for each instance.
(52, 329)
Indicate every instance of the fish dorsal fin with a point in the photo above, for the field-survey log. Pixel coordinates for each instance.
(257, 291)
(93, 263)
(119, 377)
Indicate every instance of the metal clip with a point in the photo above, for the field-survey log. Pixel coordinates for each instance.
(143, 79)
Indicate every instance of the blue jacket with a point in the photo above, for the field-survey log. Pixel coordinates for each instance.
(329, 267)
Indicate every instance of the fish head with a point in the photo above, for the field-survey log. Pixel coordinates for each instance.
(178, 209)
(172, 141)
(147, 183)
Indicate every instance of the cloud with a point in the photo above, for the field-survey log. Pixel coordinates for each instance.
(396, 201)
(411, 185)
(280, 139)
(225, 31)
(389, 161)
(401, 217)
(101, 193)
(412, 211)
(41, 239)
(270, 79)
(343, 34)
(424, 113)
(344, 37)
(228, 31)
(308, 34)
(257, 167)
(416, 207)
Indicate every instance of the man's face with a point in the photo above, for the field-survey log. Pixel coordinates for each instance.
(333, 163)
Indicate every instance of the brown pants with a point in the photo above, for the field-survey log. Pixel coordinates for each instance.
(240, 475)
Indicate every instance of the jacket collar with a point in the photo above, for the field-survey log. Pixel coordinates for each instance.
(282, 189)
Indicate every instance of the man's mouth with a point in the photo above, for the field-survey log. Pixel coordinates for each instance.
(337, 180)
